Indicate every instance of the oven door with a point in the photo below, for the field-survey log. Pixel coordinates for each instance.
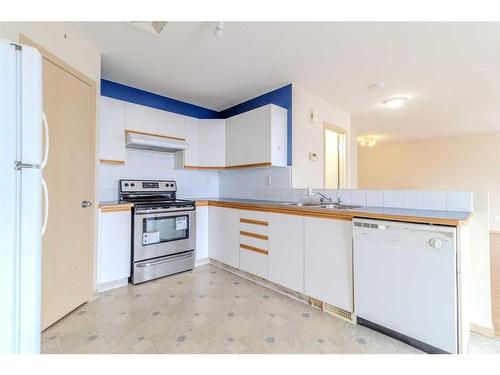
(163, 233)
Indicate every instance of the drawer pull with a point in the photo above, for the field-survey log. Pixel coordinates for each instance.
(254, 235)
(256, 222)
(254, 249)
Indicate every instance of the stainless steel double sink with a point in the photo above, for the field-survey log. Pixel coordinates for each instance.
(333, 206)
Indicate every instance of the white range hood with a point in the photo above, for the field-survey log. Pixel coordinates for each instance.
(155, 143)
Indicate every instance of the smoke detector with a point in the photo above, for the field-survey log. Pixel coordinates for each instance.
(150, 27)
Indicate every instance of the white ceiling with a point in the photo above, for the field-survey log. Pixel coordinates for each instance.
(449, 71)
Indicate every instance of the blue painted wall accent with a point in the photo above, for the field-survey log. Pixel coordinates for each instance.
(281, 97)
(137, 96)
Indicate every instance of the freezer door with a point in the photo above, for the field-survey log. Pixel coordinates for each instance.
(31, 105)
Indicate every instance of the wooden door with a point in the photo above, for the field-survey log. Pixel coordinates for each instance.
(67, 247)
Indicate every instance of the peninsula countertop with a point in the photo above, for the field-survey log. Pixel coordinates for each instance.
(439, 217)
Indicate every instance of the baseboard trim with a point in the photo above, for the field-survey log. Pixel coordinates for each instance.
(201, 262)
(111, 285)
(485, 331)
(323, 306)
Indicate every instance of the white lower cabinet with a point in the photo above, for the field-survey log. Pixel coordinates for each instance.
(328, 261)
(113, 259)
(223, 235)
(253, 230)
(201, 232)
(253, 262)
(309, 255)
(286, 251)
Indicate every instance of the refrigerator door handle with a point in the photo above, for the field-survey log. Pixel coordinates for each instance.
(45, 205)
(46, 131)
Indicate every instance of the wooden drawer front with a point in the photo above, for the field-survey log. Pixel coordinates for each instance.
(253, 262)
(254, 242)
(254, 215)
(254, 228)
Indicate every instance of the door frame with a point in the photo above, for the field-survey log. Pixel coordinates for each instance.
(23, 39)
(339, 130)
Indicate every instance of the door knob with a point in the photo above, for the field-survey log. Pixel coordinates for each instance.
(86, 204)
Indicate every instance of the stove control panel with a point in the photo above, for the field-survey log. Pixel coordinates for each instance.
(159, 186)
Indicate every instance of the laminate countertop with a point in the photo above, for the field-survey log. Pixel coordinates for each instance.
(115, 206)
(451, 218)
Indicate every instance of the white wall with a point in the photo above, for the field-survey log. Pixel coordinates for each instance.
(72, 49)
(308, 137)
(141, 164)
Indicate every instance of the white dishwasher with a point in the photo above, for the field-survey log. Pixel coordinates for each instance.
(405, 282)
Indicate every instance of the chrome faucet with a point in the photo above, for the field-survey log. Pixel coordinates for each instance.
(323, 198)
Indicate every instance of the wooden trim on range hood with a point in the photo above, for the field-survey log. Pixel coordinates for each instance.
(127, 131)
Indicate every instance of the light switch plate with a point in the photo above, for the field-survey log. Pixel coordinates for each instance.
(313, 156)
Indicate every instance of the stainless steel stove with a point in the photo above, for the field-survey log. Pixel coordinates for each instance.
(163, 229)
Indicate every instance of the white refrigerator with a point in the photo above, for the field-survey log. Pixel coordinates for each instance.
(23, 215)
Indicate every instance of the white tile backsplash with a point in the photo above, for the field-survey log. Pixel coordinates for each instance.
(358, 197)
(252, 184)
(458, 201)
(141, 164)
(393, 198)
(375, 198)
(434, 200)
(412, 199)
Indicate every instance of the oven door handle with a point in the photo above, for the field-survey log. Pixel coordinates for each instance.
(169, 259)
(172, 210)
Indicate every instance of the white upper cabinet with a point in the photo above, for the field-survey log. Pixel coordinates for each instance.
(141, 118)
(191, 155)
(286, 251)
(328, 261)
(112, 127)
(171, 124)
(235, 141)
(258, 136)
(206, 140)
(211, 143)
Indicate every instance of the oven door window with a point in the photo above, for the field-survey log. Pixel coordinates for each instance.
(165, 229)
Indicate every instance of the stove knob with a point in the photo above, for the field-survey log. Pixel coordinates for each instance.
(171, 185)
(126, 184)
(132, 184)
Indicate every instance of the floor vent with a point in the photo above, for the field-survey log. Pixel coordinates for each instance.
(315, 303)
(337, 311)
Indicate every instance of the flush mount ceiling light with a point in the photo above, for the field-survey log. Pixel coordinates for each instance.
(219, 30)
(395, 102)
(367, 141)
(150, 27)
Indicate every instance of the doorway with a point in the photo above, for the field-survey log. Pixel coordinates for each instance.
(335, 140)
